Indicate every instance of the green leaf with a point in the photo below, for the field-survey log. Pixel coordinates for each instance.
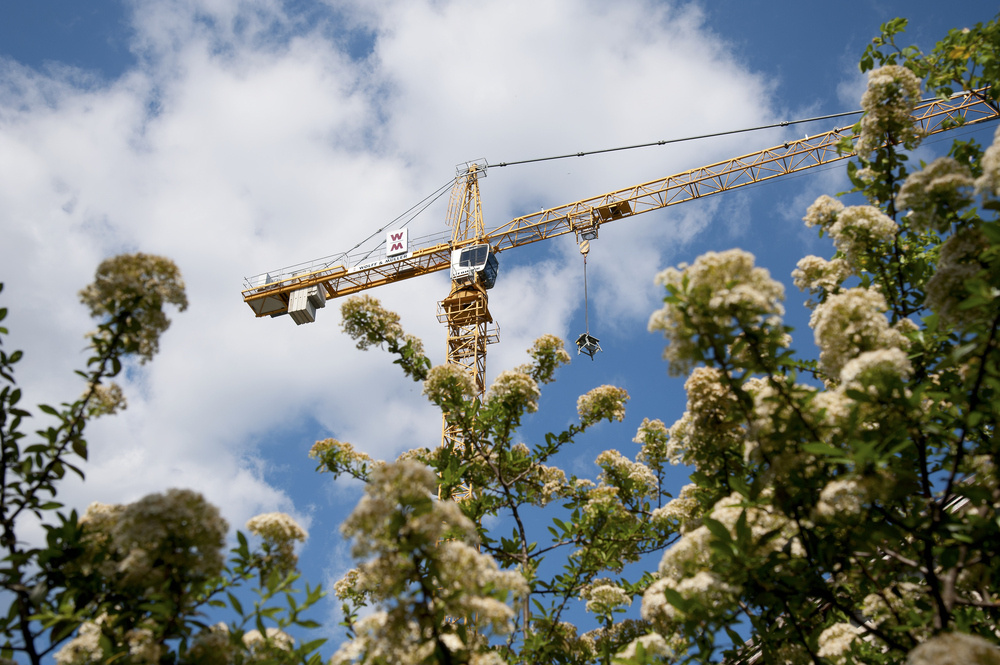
(234, 601)
(717, 529)
(822, 449)
(80, 448)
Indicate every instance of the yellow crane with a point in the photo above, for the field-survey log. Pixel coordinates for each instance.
(471, 254)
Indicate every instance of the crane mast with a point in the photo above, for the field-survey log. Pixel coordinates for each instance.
(465, 311)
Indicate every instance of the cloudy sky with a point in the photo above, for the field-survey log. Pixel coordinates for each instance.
(241, 136)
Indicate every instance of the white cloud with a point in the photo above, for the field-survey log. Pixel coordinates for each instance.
(244, 140)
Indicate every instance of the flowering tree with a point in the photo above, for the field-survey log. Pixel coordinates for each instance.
(842, 509)
(131, 583)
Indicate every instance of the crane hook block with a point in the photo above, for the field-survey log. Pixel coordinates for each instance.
(587, 343)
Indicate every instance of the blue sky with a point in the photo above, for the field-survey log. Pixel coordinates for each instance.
(238, 136)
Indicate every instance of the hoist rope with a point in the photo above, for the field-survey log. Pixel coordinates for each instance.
(783, 123)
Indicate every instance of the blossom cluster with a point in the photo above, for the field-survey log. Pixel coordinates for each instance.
(633, 478)
(988, 184)
(338, 456)
(106, 400)
(411, 542)
(652, 436)
(548, 353)
(959, 262)
(83, 649)
(131, 291)
(280, 532)
(935, 194)
(823, 212)
(835, 642)
(861, 229)
(653, 645)
(850, 323)
(718, 296)
(955, 649)
(213, 645)
(603, 597)
(602, 403)
(686, 566)
(813, 273)
(173, 536)
(841, 497)
(516, 390)
(707, 432)
(893, 92)
(370, 324)
(682, 510)
(449, 383)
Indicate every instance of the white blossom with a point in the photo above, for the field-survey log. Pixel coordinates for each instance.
(958, 263)
(707, 432)
(813, 273)
(548, 353)
(142, 648)
(835, 642)
(944, 186)
(823, 212)
(893, 92)
(604, 598)
(602, 403)
(706, 589)
(872, 367)
(681, 509)
(850, 323)
(83, 649)
(885, 606)
(719, 291)
(988, 184)
(136, 287)
(173, 535)
(618, 468)
(955, 649)
(210, 646)
(841, 498)
(368, 323)
(449, 382)
(515, 390)
(263, 645)
(106, 400)
(653, 644)
(280, 533)
(860, 229)
(652, 436)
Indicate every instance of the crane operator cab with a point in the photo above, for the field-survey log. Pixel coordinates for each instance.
(475, 263)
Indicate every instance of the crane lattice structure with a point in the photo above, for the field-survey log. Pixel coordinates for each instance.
(471, 252)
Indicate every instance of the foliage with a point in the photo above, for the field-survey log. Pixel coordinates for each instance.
(130, 583)
(843, 510)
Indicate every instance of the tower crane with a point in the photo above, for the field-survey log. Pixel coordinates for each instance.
(471, 254)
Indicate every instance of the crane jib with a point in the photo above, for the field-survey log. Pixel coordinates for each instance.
(270, 294)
